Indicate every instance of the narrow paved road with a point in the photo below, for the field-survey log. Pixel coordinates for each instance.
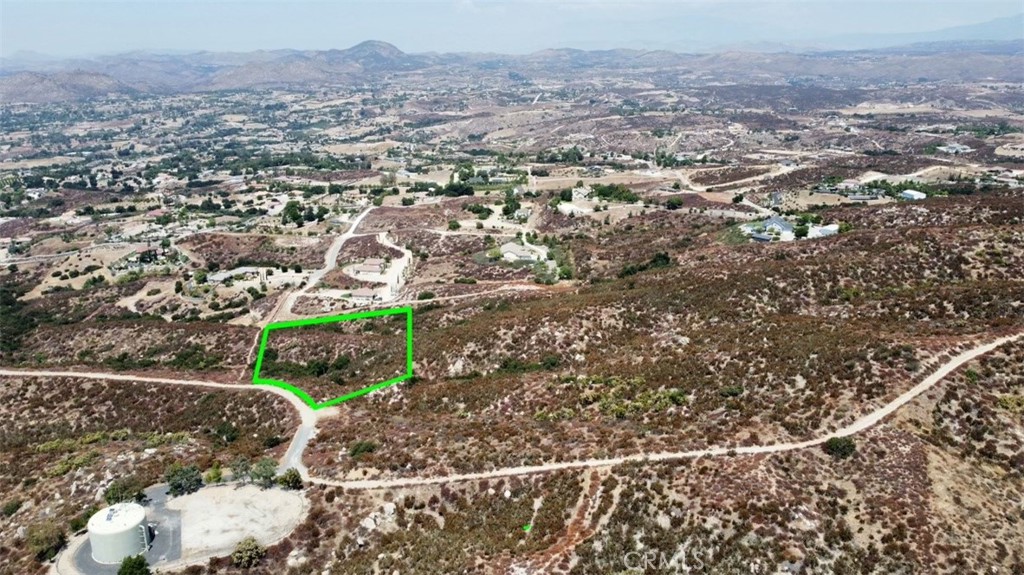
(307, 429)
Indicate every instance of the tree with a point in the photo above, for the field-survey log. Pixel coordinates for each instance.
(136, 565)
(241, 469)
(840, 447)
(800, 231)
(124, 489)
(453, 225)
(263, 472)
(407, 201)
(290, 479)
(183, 479)
(45, 539)
(737, 198)
(292, 213)
(674, 203)
(248, 553)
(512, 204)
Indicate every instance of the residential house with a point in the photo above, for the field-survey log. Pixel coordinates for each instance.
(513, 252)
(913, 195)
(778, 225)
(365, 295)
(580, 193)
(954, 148)
(814, 232)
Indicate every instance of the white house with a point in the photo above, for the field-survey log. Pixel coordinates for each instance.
(365, 294)
(814, 232)
(953, 148)
(514, 252)
(913, 195)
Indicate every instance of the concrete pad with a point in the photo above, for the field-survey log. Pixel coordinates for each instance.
(216, 518)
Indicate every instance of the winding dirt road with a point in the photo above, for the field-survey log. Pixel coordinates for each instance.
(309, 418)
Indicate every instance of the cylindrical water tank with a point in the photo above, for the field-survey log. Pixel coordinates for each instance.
(117, 532)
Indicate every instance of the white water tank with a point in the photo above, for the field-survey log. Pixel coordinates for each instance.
(117, 532)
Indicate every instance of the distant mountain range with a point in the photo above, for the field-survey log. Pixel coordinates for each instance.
(954, 54)
(998, 30)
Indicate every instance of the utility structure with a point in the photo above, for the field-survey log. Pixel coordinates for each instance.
(117, 532)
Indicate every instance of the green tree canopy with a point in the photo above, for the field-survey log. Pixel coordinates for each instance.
(183, 479)
(136, 565)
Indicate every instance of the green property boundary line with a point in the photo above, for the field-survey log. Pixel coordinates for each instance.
(257, 380)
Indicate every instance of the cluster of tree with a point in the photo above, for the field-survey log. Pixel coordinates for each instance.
(454, 189)
(124, 489)
(614, 193)
(90, 210)
(293, 213)
(660, 260)
(985, 130)
(511, 205)
(571, 156)
(422, 186)
(263, 473)
(666, 160)
(482, 212)
(183, 479)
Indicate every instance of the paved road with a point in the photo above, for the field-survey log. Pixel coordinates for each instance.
(293, 458)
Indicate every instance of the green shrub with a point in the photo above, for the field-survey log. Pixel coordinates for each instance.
(263, 472)
(11, 507)
(79, 522)
(45, 539)
(360, 447)
(730, 391)
(248, 553)
(124, 489)
(136, 565)
(840, 447)
(183, 479)
(290, 479)
(215, 474)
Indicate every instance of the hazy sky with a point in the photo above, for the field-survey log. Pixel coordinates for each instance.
(91, 27)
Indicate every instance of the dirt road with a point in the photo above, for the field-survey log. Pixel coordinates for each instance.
(283, 311)
(309, 418)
